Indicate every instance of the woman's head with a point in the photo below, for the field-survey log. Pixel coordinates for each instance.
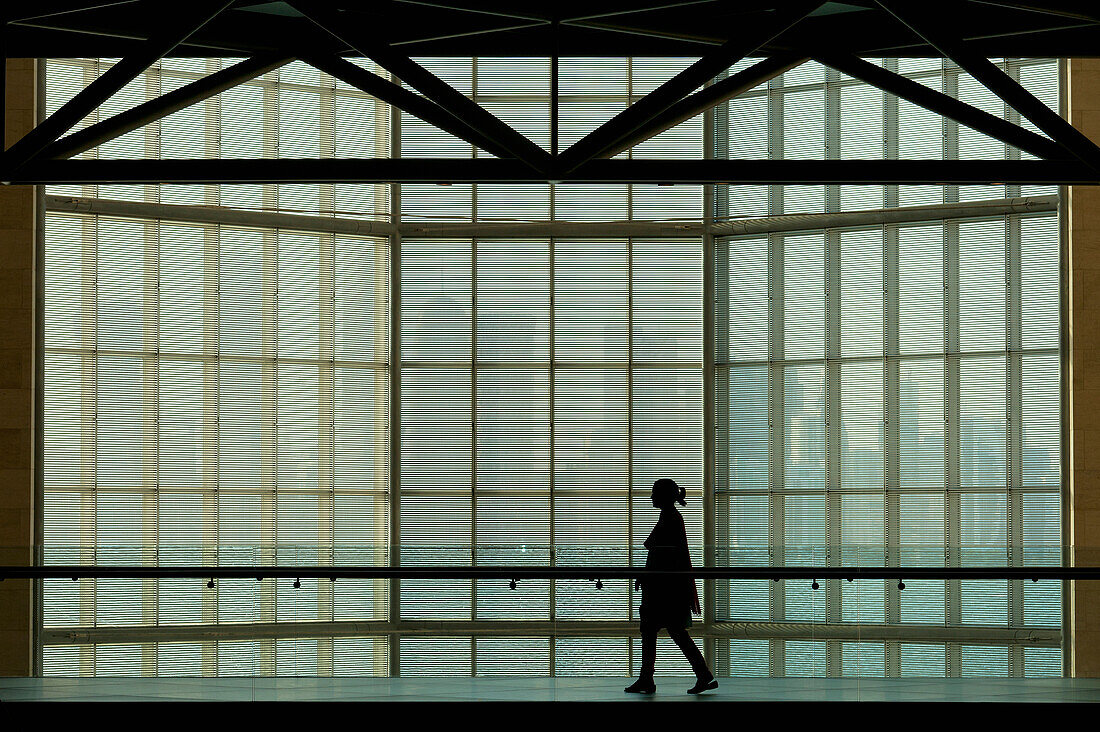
(666, 492)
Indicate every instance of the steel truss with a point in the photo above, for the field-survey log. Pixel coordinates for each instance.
(1065, 156)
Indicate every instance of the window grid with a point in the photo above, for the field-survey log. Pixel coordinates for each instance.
(756, 372)
(382, 653)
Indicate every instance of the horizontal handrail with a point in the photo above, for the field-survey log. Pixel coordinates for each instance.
(520, 572)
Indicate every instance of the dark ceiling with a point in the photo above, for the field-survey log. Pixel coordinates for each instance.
(114, 28)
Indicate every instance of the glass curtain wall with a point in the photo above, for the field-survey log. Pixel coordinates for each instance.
(886, 394)
(526, 414)
(220, 394)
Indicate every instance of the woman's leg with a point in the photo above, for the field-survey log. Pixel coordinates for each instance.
(649, 651)
(687, 645)
(644, 684)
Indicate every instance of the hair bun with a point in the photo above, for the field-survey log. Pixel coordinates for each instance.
(671, 490)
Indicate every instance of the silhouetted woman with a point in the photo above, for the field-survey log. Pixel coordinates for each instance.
(668, 602)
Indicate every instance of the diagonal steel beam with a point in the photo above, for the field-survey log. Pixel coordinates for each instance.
(945, 105)
(370, 83)
(163, 106)
(683, 83)
(447, 97)
(116, 77)
(927, 22)
(711, 96)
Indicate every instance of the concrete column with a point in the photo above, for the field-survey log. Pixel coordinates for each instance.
(1083, 519)
(17, 381)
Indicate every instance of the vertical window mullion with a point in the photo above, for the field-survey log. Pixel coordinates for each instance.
(211, 432)
(150, 488)
(709, 423)
(394, 493)
(269, 478)
(952, 458)
(1015, 446)
(551, 376)
(326, 439)
(833, 428)
(473, 391)
(776, 539)
(890, 144)
(892, 431)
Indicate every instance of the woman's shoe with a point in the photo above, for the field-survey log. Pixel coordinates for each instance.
(641, 686)
(702, 685)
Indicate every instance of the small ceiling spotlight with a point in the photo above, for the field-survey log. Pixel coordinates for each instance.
(512, 585)
(815, 585)
(599, 584)
(298, 584)
(901, 585)
(210, 584)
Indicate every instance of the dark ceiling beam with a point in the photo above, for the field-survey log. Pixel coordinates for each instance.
(385, 90)
(634, 8)
(48, 9)
(107, 84)
(235, 33)
(370, 44)
(477, 11)
(927, 21)
(987, 43)
(647, 32)
(708, 97)
(124, 30)
(222, 41)
(874, 32)
(493, 170)
(162, 106)
(112, 33)
(453, 22)
(117, 42)
(750, 37)
(467, 34)
(944, 105)
(1050, 7)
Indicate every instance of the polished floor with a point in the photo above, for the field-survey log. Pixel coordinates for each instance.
(513, 689)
